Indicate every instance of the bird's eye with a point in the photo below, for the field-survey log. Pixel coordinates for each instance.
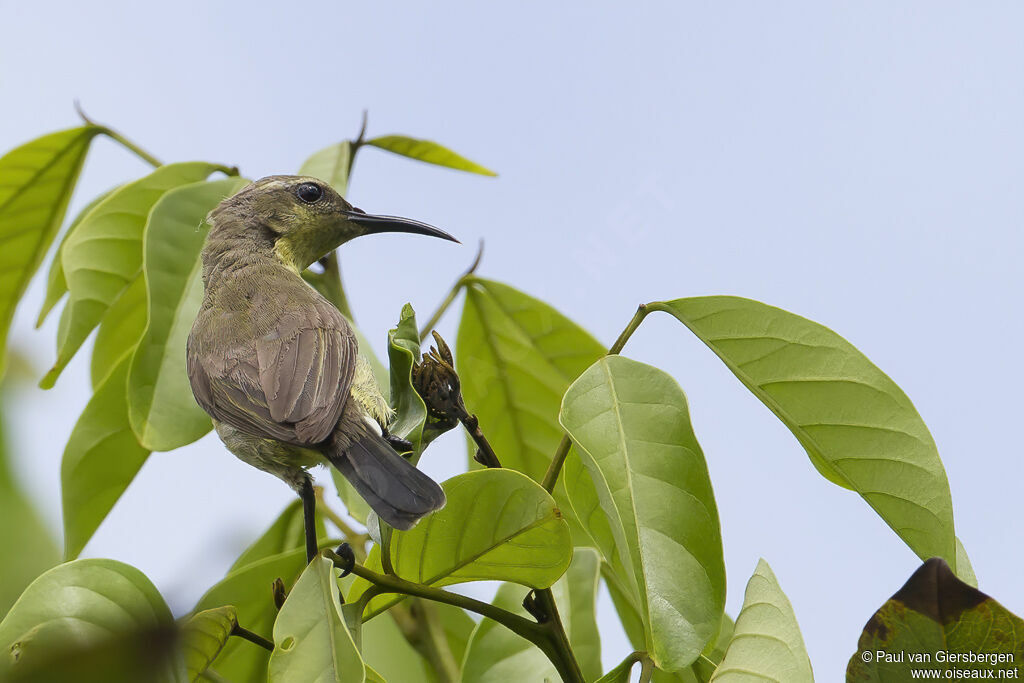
(309, 192)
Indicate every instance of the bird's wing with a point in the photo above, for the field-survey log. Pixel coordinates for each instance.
(290, 384)
(305, 370)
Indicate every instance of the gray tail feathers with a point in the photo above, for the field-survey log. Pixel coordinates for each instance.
(399, 493)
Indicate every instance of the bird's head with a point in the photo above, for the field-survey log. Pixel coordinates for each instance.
(302, 218)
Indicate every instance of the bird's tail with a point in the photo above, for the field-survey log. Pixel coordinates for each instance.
(398, 492)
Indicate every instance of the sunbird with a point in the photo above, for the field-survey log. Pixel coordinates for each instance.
(277, 366)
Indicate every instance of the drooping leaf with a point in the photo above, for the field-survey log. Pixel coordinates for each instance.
(101, 458)
(859, 429)
(203, 636)
(934, 614)
(56, 284)
(120, 331)
(497, 524)
(36, 183)
(311, 641)
(103, 255)
(631, 424)
(403, 353)
(516, 356)
(29, 548)
(429, 152)
(331, 165)
(766, 641)
(163, 412)
(496, 654)
(250, 590)
(80, 604)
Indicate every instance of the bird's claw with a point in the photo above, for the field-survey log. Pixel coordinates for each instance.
(400, 445)
(348, 557)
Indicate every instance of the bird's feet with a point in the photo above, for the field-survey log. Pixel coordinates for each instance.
(402, 446)
(347, 556)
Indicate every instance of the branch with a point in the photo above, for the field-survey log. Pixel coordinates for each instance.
(542, 634)
(396, 584)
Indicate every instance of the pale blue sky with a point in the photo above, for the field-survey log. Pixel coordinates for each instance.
(856, 163)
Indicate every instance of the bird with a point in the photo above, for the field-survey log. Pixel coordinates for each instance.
(277, 366)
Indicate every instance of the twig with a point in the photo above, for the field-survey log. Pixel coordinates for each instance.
(117, 137)
(452, 293)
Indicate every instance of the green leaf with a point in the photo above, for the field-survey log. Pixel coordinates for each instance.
(632, 426)
(429, 152)
(56, 284)
(704, 668)
(38, 179)
(516, 356)
(497, 654)
(103, 255)
(101, 458)
(859, 429)
(311, 640)
(766, 641)
(286, 533)
(403, 353)
(620, 674)
(29, 548)
(79, 604)
(163, 412)
(964, 569)
(491, 517)
(203, 637)
(120, 331)
(249, 589)
(331, 165)
(933, 621)
(386, 650)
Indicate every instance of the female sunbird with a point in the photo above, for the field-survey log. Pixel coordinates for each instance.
(277, 366)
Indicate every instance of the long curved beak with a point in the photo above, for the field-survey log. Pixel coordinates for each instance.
(374, 223)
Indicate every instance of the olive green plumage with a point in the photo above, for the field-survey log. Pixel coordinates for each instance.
(275, 364)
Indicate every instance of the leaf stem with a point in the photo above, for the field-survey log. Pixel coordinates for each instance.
(246, 634)
(433, 642)
(558, 459)
(452, 293)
